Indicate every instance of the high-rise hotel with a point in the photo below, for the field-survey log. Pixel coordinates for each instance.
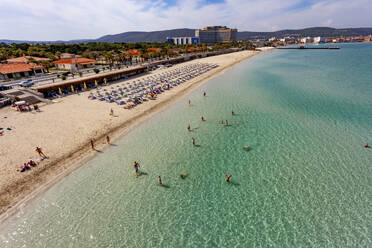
(216, 34)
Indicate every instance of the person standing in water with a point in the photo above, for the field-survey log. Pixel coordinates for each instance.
(189, 102)
(227, 123)
(136, 167)
(193, 141)
(108, 139)
(188, 127)
(202, 118)
(232, 112)
(228, 176)
(204, 94)
(159, 181)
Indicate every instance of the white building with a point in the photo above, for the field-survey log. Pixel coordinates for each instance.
(318, 39)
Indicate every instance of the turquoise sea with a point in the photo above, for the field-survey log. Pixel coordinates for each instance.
(305, 182)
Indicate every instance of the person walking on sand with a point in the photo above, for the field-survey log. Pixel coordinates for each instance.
(92, 144)
(40, 152)
(228, 177)
(159, 181)
(111, 112)
(108, 139)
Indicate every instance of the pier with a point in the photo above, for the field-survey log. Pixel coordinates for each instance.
(303, 47)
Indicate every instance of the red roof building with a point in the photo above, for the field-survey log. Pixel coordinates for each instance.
(25, 59)
(74, 63)
(9, 71)
(132, 52)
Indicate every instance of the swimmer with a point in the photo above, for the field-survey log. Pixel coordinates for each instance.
(160, 182)
(227, 178)
(366, 146)
(245, 148)
(188, 127)
(183, 176)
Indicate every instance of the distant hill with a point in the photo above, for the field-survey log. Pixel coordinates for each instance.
(160, 36)
(155, 36)
(316, 31)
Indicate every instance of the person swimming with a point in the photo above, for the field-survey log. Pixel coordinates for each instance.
(159, 181)
(228, 176)
(366, 146)
(183, 176)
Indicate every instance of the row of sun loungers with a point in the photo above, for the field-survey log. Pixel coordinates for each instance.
(135, 92)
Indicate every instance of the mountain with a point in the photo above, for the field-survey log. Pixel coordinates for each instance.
(315, 31)
(155, 36)
(160, 36)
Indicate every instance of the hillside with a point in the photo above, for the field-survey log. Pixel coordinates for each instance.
(160, 36)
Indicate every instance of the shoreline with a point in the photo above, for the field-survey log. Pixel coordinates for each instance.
(15, 195)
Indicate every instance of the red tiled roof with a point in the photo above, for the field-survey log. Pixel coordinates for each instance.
(75, 61)
(25, 59)
(154, 49)
(132, 52)
(20, 67)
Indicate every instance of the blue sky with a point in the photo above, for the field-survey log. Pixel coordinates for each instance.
(78, 19)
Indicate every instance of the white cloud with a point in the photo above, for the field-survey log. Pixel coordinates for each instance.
(76, 19)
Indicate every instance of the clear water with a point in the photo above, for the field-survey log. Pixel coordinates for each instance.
(306, 182)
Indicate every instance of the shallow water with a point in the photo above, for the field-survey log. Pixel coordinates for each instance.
(305, 182)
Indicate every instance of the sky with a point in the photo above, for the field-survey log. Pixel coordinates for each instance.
(89, 19)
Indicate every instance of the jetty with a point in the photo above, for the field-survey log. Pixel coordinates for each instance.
(303, 47)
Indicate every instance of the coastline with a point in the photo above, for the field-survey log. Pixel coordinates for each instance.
(15, 193)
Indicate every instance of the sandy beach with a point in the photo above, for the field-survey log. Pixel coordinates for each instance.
(64, 130)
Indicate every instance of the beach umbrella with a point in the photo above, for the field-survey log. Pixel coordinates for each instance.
(85, 86)
(60, 91)
(72, 88)
(95, 83)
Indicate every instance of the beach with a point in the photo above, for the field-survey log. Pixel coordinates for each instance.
(304, 179)
(64, 130)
